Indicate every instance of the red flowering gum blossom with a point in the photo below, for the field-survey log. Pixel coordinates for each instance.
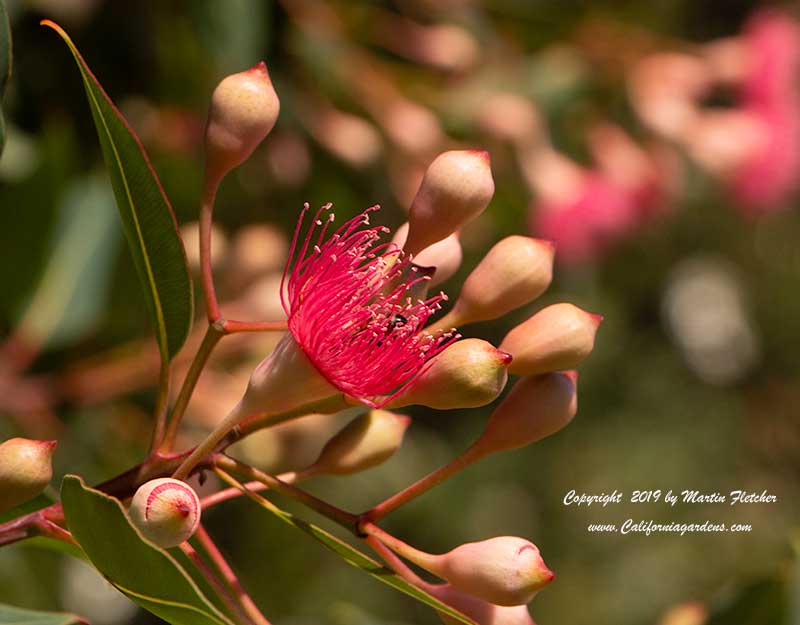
(349, 307)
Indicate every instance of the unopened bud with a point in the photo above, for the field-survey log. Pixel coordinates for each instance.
(535, 408)
(365, 442)
(467, 374)
(480, 611)
(25, 470)
(445, 255)
(514, 272)
(556, 338)
(166, 511)
(244, 108)
(505, 570)
(457, 187)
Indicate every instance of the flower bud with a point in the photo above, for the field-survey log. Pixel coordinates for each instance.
(467, 374)
(25, 470)
(515, 271)
(166, 511)
(480, 611)
(457, 187)
(365, 442)
(556, 338)
(535, 408)
(505, 570)
(445, 255)
(244, 108)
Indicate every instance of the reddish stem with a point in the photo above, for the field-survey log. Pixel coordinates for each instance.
(208, 574)
(233, 327)
(424, 484)
(229, 577)
(206, 216)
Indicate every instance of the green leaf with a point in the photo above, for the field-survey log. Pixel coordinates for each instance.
(5, 65)
(71, 293)
(149, 576)
(360, 560)
(9, 615)
(146, 214)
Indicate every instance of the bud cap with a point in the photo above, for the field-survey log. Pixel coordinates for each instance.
(367, 441)
(505, 570)
(556, 338)
(467, 374)
(456, 188)
(535, 408)
(166, 511)
(514, 272)
(244, 108)
(482, 612)
(25, 470)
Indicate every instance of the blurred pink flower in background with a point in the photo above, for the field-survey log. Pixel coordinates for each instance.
(588, 211)
(769, 93)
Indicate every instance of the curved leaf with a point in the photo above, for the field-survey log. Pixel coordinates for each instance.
(9, 615)
(149, 576)
(146, 214)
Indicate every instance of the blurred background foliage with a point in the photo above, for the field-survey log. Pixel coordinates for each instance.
(693, 383)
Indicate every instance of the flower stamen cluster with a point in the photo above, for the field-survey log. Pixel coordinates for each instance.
(351, 307)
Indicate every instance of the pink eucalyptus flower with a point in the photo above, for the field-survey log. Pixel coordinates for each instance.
(770, 94)
(350, 307)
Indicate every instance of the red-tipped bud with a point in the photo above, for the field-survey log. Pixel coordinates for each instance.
(505, 570)
(445, 255)
(469, 373)
(535, 408)
(480, 611)
(25, 470)
(365, 442)
(556, 338)
(514, 272)
(166, 511)
(244, 108)
(457, 187)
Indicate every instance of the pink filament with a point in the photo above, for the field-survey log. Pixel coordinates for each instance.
(348, 307)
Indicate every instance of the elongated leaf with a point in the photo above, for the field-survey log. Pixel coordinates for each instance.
(148, 575)
(9, 615)
(359, 560)
(146, 214)
(5, 65)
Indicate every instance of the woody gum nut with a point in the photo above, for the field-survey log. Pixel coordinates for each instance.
(365, 442)
(535, 407)
(445, 255)
(514, 272)
(166, 511)
(244, 108)
(505, 570)
(480, 611)
(456, 188)
(556, 338)
(25, 470)
(467, 374)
